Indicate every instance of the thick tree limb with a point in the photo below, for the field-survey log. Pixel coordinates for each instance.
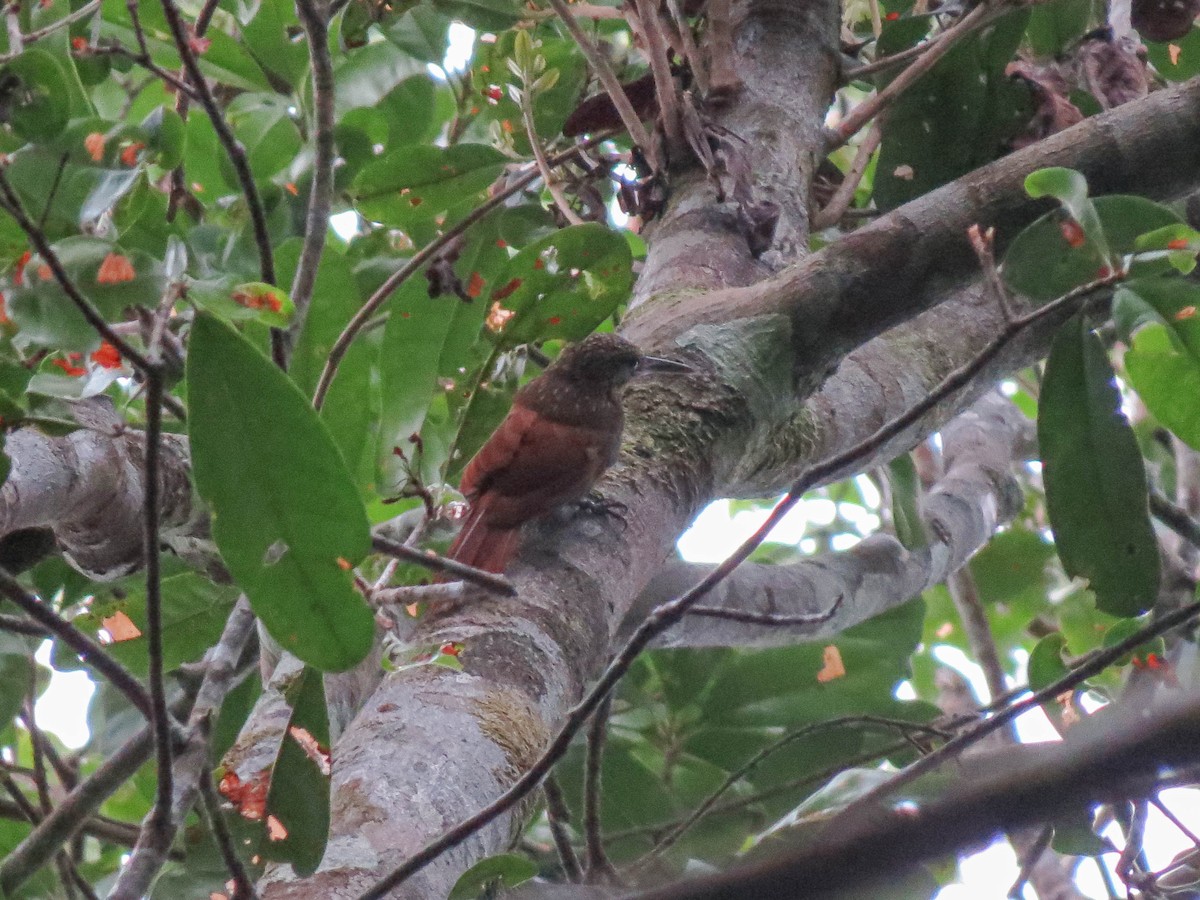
(975, 495)
(87, 487)
(1121, 756)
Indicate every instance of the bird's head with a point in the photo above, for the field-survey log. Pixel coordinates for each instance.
(610, 360)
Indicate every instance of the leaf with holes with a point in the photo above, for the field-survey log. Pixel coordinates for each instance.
(1094, 477)
(561, 287)
(286, 515)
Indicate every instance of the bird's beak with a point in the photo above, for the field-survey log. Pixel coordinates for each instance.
(651, 364)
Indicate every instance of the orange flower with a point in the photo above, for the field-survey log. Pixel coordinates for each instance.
(107, 356)
(498, 317)
(130, 154)
(68, 365)
(475, 285)
(115, 269)
(79, 44)
(94, 145)
(19, 270)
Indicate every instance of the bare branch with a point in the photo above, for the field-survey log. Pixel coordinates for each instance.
(312, 14)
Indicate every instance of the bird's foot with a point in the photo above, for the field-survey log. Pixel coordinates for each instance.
(597, 505)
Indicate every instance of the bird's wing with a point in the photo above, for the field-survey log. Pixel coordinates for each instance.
(531, 465)
(497, 453)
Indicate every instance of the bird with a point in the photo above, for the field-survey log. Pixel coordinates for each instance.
(562, 433)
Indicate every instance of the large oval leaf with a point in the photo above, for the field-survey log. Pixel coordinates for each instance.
(416, 185)
(286, 516)
(1163, 360)
(562, 286)
(1095, 482)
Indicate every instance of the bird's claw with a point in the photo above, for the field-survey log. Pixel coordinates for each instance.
(597, 505)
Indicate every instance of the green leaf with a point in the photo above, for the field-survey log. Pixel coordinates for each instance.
(194, 610)
(366, 75)
(1094, 477)
(1042, 263)
(955, 117)
(1055, 26)
(1070, 189)
(1160, 318)
(263, 123)
(1178, 66)
(286, 514)
(1046, 664)
(16, 670)
(486, 15)
(1178, 244)
(39, 99)
(253, 301)
(1127, 628)
(165, 135)
(507, 870)
(85, 191)
(351, 409)
(267, 37)
(906, 502)
(226, 59)
(48, 317)
(415, 186)
(563, 286)
(299, 793)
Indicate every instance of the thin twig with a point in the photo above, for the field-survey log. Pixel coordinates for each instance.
(210, 808)
(608, 79)
(597, 866)
(776, 790)
(192, 760)
(660, 69)
(559, 817)
(691, 53)
(233, 147)
(497, 584)
(934, 51)
(90, 652)
(320, 195)
(982, 243)
(54, 185)
(181, 87)
(885, 63)
(539, 158)
(750, 617)
(160, 817)
(835, 209)
(22, 625)
(422, 256)
(1032, 856)
(69, 19)
(1094, 665)
(68, 875)
(667, 614)
(1174, 517)
(669, 839)
(73, 813)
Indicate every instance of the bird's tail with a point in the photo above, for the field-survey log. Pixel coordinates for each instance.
(483, 546)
